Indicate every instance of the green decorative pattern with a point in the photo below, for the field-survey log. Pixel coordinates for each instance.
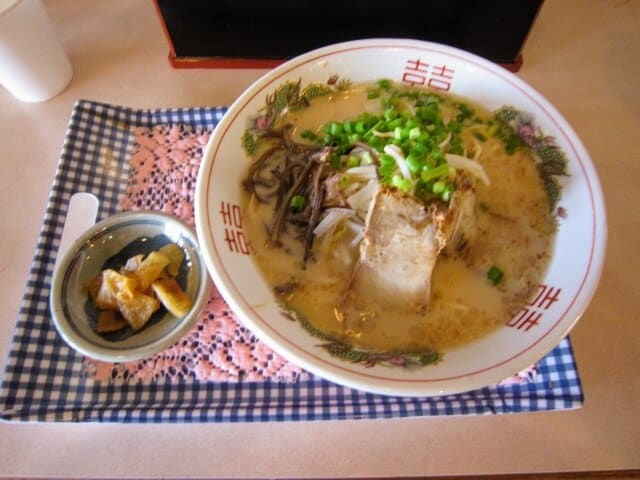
(340, 348)
(288, 97)
(517, 130)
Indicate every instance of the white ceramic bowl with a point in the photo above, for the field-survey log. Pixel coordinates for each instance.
(84, 259)
(562, 298)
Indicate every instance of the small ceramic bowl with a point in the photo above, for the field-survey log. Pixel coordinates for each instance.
(108, 242)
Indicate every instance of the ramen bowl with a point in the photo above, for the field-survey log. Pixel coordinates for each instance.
(544, 319)
(105, 245)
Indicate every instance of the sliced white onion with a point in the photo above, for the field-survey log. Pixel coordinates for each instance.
(477, 151)
(332, 217)
(468, 165)
(357, 150)
(358, 238)
(445, 142)
(360, 200)
(410, 108)
(342, 253)
(356, 221)
(353, 187)
(355, 227)
(363, 154)
(398, 155)
(368, 172)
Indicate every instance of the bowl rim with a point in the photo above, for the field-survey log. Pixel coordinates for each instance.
(306, 360)
(89, 349)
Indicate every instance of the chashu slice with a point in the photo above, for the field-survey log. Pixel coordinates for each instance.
(402, 241)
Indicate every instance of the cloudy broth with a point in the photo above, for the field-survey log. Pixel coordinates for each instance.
(515, 231)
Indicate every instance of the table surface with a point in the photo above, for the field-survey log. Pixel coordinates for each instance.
(582, 56)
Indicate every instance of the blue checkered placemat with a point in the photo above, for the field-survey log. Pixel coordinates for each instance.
(44, 379)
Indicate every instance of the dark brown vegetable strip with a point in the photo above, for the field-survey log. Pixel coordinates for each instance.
(253, 177)
(280, 215)
(288, 177)
(317, 197)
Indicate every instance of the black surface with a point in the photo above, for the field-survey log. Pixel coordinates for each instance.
(494, 29)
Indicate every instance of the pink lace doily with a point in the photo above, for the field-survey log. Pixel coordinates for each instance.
(163, 172)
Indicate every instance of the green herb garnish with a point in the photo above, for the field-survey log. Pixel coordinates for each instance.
(494, 275)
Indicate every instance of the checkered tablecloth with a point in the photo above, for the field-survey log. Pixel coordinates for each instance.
(44, 380)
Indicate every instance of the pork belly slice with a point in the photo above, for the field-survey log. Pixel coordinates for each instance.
(402, 241)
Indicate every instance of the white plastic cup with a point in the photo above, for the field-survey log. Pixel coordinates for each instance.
(33, 65)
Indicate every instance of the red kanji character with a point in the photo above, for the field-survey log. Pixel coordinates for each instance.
(551, 297)
(236, 216)
(225, 211)
(417, 66)
(441, 77)
(413, 79)
(525, 319)
(532, 319)
(236, 241)
(414, 71)
(242, 243)
(546, 297)
(230, 238)
(513, 321)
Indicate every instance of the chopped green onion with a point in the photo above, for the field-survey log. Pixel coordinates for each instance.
(353, 161)
(445, 196)
(438, 156)
(354, 137)
(297, 203)
(454, 126)
(366, 158)
(387, 160)
(419, 148)
(414, 164)
(309, 135)
(390, 114)
(480, 136)
(345, 180)
(335, 128)
(412, 122)
(439, 187)
(433, 173)
(494, 275)
(384, 83)
(335, 160)
(465, 112)
(401, 183)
